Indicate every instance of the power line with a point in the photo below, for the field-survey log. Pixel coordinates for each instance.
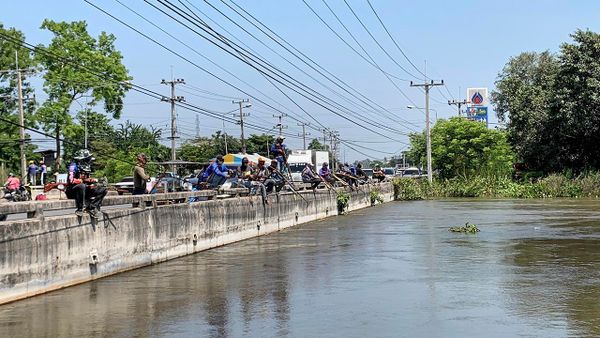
(301, 91)
(297, 52)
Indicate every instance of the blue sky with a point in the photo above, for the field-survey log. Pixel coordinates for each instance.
(466, 43)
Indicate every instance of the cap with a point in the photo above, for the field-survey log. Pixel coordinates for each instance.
(245, 160)
(280, 138)
(261, 160)
(219, 157)
(81, 154)
(325, 164)
(11, 174)
(30, 162)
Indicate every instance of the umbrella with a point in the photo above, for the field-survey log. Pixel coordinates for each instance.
(236, 159)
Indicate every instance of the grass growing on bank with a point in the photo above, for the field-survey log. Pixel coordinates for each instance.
(586, 185)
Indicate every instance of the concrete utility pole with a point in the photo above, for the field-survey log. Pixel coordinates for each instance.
(241, 121)
(280, 125)
(427, 86)
(304, 133)
(21, 121)
(197, 126)
(173, 99)
(458, 104)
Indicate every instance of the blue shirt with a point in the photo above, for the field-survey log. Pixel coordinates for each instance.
(278, 151)
(32, 169)
(218, 170)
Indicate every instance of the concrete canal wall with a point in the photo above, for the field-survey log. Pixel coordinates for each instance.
(42, 254)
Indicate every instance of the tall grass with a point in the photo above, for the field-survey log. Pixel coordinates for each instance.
(586, 185)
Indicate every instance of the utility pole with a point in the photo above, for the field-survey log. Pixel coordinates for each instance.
(458, 104)
(427, 86)
(241, 121)
(173, 99)
(21, 121)
(197, 126)
(280, 125)
(304, 133)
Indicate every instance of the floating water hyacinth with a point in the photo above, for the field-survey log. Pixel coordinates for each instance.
(468, 228)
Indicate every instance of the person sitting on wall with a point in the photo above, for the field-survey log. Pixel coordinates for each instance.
(248, 176)
(139, 175)
(378, 174)
(216, 174)
(81, 187)
(326, 174)
(309, 176)
(276, 179)
(361, 175)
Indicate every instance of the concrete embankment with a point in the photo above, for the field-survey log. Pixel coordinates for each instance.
(42, 254)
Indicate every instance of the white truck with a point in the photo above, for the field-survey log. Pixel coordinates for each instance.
(319, 157)
(297, 160)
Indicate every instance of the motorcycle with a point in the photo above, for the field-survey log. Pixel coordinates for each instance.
(19, 195)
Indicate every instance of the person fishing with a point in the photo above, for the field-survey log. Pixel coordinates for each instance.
(279, 151)
(216, 174)
(378, 174)
(326, 174)
(139, 175)
(81, 187)
(360, 174)
(276, 179)
(343, 172)
(309, 176)
(250, 179)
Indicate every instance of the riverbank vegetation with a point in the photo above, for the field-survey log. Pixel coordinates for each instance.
(586, 185)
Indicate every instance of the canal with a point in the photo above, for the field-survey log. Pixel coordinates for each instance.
(389, 271)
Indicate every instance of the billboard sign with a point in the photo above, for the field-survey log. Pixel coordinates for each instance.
(478, 96)
(478, 114)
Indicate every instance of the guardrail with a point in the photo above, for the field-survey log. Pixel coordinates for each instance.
(35, 209)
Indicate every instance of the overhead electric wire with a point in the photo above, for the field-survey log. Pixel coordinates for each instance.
(302, 91)
(297, 51)
(394, 40)
(348, 31)
(284, 58)
(376, 41)
(187, 60)
(246, 55)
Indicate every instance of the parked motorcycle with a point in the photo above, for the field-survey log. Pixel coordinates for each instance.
(19, 195)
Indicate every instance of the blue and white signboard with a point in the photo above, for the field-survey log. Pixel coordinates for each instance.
(478, 114)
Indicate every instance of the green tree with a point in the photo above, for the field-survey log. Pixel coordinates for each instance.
(524, 95)
(200, 149)
(71, 62)
(9, 132)
(416, 155)
(259, 143)
(464, 148)
(316, 145)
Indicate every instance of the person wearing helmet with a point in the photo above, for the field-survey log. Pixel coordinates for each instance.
(81, 187)
(279, 151)
(32, 170)
(139, 175)
(12, 183)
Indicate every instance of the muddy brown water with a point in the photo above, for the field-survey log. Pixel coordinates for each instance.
(390, 271)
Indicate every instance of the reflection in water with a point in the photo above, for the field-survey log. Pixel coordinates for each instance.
(388, 271)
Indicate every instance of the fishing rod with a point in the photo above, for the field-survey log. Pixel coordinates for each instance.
(290, 185)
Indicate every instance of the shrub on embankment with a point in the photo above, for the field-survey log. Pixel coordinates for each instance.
(556, 185)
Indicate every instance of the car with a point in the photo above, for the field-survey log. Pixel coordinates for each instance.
(125, 185)
(413, 172)
(368, 172)
(389, 172)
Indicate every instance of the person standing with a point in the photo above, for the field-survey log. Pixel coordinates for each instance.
(279, 150)
(139, 175)
(43, 173)
(32, 172)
